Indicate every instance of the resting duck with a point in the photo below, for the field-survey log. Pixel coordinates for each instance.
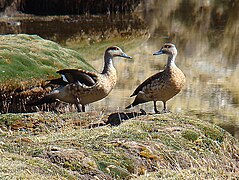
(83, 87)
(163, 85)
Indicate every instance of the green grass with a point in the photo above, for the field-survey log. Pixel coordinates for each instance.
(27, 58)
(153, 146)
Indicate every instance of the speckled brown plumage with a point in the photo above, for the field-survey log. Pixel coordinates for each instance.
(83, 87)
(163, 85)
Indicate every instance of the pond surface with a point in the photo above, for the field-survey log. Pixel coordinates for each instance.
(206, 34)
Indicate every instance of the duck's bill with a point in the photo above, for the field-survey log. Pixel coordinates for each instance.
(158, 52)
(125, 56)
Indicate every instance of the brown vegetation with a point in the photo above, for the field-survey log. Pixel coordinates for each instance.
(62, 7)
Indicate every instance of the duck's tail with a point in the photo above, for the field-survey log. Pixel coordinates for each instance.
(129, 106)
(137, 100)
(133, 104)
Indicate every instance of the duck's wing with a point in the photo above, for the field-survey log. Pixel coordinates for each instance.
(58, 81)
(80, 76)
(147, 82)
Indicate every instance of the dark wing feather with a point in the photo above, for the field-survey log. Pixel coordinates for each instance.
(146, 82)
(58, 81)
(79, 76)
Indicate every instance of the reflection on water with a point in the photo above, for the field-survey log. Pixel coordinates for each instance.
(65, 28)
(207, 37)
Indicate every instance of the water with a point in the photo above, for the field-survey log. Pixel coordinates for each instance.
(206, 34)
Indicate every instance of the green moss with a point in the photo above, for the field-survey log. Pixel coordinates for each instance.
(190, 135)
(170, 141)
(74, 166)
(213, 132)
(114, 170)
(9, 119)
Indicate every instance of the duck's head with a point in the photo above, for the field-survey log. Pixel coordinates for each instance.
(116, 51)
(168, 48)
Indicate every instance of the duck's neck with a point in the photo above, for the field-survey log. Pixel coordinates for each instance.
(171, 61)
(108, 66)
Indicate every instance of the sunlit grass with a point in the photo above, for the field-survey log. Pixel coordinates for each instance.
(169, 145)
(25, 57)
(15, 166)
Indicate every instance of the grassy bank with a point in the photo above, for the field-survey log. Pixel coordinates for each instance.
(26, 62)
(73, 145)
(29, 58)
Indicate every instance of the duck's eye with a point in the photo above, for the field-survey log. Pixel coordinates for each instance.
(115, 48)
(167, 46)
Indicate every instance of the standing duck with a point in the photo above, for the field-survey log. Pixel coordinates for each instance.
(163, 85)
(77, 86)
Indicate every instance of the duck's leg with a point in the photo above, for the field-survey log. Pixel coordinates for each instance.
(155, 108)
(78, 107)
(83, 108)
(77, 103)
(165, 110)
(58, 103)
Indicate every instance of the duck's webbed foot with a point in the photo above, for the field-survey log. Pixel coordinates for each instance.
(165, 111)
(143, 112)
(157, 112)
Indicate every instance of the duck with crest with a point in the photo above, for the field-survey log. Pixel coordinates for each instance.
(163, 85)
(81, 87)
